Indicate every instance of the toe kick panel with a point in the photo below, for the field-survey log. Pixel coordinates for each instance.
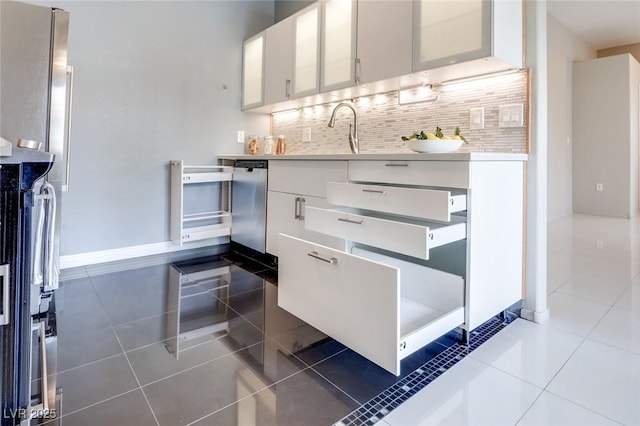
(381, 307)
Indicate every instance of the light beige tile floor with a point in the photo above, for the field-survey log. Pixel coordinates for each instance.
(582, 367)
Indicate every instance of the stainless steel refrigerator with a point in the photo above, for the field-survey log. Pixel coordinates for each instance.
(35, 88)
(35, 104)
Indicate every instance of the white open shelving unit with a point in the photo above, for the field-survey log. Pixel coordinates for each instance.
(194, 216)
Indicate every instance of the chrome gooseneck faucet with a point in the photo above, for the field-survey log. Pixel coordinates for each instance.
(353, 130)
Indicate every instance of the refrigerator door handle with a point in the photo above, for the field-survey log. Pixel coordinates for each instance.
(65, 185)
(4, 277)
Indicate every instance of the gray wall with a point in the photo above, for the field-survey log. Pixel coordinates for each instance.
(563, 49)
(605, 124)
(149, 88)
(285, 8)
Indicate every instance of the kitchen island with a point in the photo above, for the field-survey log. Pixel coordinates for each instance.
(404, 247)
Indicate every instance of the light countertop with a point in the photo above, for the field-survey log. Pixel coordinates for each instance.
(452, 156)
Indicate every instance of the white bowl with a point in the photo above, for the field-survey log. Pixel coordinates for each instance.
(434, 145)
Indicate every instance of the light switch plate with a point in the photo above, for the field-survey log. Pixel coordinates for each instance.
(476, 118)
(306, 134)
(240, 137)
(511, 115)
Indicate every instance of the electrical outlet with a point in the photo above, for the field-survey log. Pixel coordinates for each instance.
(240, 138)
(306, 134)
(476, 118)
(599, 187)
(511, 115)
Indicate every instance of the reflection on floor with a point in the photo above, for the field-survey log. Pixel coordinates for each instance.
(197, 338)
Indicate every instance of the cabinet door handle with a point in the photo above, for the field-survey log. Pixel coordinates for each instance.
(296, 209)
(396, 165)
(358, 70)
(315, 255)
(287, 88)
(303, 201)
(346, 219)
(375, 191)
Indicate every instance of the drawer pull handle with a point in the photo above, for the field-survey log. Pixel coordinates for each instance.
(296, 209)
(396, 165)
(346, 219)
(375, 191)
(315, 255)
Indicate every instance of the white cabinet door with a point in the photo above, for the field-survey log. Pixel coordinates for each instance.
(482, 36)
(283, 212)
(253, 71)
(286, 214)
(384, 39)
(447, 32)
(339, 18)
(278, 60)
(306, 51)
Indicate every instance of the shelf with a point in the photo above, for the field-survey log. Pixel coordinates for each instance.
(207, 177)
(204, 232)
(205, 224)
(195, 217)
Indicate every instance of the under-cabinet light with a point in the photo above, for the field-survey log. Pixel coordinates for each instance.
(421, 93)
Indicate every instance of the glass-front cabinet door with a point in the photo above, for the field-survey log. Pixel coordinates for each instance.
(253, 72)
(339, 18)
(278, 59)
(447, 32)
(306, 51)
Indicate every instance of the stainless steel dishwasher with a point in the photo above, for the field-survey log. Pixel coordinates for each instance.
(249, 209)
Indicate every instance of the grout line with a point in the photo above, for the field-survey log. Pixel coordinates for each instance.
(96, 403)
(137, 380)
(201, 364)
(85, 364)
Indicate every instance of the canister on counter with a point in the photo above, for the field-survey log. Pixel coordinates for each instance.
(281, 147)
(253, 146)
(267, 148)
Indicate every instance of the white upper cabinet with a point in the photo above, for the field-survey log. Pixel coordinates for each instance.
(306, 51)
(278, 62)
(253, 71)
(455, 32)
(339, 18)
(384, 39)
(339, 49)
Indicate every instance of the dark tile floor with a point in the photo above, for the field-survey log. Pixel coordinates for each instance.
(170, 340)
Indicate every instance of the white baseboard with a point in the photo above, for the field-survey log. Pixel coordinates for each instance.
(102, 256)
(536, 316)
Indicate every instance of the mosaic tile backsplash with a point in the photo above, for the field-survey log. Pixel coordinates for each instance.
(382, 121)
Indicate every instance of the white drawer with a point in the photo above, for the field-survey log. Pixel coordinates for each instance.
(305, 177)
(381, 307)
(412, 238)
(433, 204)
(450, 174)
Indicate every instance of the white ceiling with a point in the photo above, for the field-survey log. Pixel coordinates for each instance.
(600, 23)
